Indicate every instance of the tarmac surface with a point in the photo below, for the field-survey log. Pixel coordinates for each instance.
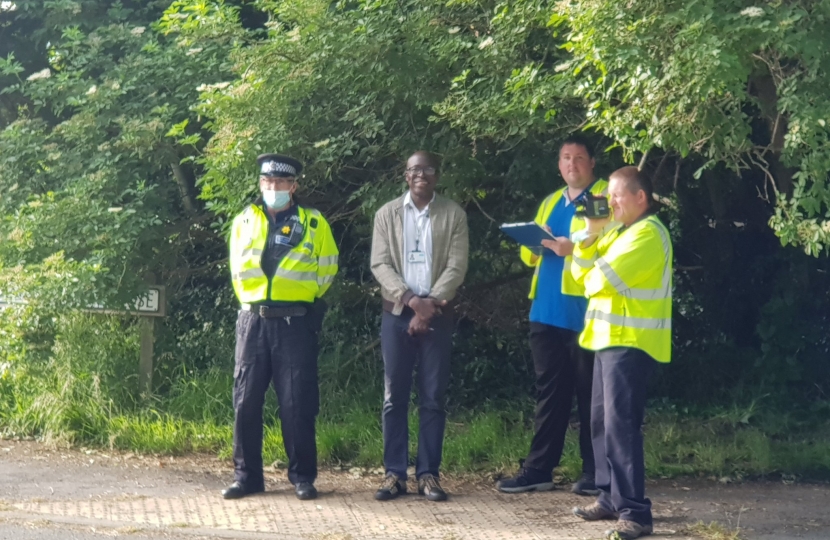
(48, 493)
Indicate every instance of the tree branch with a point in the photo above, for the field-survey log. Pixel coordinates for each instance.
(482, 210)
(185, 188)
(643, 160)
(762, 164)
(665, 201)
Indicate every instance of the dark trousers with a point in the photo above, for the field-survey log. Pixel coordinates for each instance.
(562, 369)
(619, 405)
(401, 353)
(282, 351)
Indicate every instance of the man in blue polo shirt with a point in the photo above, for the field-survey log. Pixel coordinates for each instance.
(556, 319)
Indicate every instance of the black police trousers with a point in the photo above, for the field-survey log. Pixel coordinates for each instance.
(282, 351)
(563, 369)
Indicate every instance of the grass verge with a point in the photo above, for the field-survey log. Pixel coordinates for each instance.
(714, 531)
(491, 441)
(90, 404)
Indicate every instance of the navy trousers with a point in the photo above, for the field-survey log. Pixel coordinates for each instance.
(401, 354)
(562, 369)
(618, 408)
(280, 351)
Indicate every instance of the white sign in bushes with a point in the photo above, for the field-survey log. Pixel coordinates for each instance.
(148, 306)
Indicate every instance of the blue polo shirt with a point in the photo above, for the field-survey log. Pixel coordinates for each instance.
(551, 306)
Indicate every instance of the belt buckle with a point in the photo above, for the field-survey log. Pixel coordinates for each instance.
(262, 311)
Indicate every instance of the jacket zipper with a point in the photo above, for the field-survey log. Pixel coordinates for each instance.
(267, 236)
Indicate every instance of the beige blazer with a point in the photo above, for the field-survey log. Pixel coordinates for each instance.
(450, 247)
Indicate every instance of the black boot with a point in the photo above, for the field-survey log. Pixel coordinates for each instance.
(237, 490)
(305, 491)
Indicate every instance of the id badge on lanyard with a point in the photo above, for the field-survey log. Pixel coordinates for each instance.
(417, 256)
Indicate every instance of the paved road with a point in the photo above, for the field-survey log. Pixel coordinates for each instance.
(49, 494)
(45, 530)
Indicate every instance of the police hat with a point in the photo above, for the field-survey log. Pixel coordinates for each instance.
(277, 165)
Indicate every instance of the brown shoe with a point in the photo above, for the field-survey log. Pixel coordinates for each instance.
(594, 512)
(391, 487)
(628, 530)
(428, 485)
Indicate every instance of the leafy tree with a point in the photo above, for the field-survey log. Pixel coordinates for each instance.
(97, 198)
(735, 83)
(129, 133)
(353, 87)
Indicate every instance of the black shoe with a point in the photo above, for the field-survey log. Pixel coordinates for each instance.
(237, 490)
(428, 485)
(526, 480)
(391, 487)
(305, 491)
(585, 485)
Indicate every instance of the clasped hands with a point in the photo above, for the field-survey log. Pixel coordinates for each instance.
(425, 309)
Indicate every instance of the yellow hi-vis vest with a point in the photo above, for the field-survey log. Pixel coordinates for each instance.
(569, 286)
(628, 283)
(304, 273)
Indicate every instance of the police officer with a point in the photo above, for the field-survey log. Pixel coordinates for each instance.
(626, 273)
(283, 259)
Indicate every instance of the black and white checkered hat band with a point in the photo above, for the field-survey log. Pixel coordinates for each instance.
(271, 167)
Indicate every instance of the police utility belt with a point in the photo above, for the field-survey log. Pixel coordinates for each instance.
(272, 312)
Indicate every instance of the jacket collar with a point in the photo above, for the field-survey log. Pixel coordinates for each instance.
(407, 199)
(435, 205)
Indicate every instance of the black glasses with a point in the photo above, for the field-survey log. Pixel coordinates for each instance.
(421, 171)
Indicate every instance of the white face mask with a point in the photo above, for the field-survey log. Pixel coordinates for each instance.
(276, 199)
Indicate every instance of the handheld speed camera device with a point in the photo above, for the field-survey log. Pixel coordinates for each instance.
(592, 206)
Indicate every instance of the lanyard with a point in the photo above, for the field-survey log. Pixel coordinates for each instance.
(420, 227)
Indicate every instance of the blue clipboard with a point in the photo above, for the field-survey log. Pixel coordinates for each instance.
(528, 234)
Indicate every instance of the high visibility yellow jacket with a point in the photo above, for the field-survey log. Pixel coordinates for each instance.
(628, 283)
(569, 286)
(304, 274)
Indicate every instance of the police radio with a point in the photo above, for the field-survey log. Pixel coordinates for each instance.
(592, 206)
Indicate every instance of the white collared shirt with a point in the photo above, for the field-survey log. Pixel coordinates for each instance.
(417, 236)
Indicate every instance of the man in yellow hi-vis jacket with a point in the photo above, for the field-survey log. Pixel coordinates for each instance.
(627, 275)
(557, 316)
(282, 259)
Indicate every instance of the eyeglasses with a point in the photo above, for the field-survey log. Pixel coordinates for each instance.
(421, 171)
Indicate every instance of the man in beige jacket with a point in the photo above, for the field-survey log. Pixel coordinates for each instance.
(419, 257)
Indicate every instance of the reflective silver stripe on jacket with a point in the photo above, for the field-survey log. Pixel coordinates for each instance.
(629, 322)
(328, 261)
(300, 257)
(584, 263)
(249, 274)
(638, 293)
(295, 276)
(251, 252)
(322, 280)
